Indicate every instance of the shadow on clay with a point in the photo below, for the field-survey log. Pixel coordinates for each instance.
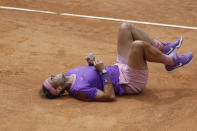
(162, 96)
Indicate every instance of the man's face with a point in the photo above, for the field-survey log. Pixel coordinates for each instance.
(58, 81)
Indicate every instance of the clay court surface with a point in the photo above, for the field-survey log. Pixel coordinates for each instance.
(36, 45)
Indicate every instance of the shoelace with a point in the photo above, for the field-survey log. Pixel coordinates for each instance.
(165, 43)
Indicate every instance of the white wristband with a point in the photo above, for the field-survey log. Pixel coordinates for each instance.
(103, 72)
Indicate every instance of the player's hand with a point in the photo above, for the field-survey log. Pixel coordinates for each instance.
(90, 59)
(99, 65)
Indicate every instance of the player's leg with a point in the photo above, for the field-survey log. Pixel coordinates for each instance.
(140, 52)
(139, 34)
(137, 74)
(124, 39)
(129, 32)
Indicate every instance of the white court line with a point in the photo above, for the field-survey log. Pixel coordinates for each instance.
(30, 10)
(101, 18)
(131, 21)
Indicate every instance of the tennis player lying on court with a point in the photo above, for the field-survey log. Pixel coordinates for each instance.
(129, 75)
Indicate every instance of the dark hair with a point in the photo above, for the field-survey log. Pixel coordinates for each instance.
(47, 93)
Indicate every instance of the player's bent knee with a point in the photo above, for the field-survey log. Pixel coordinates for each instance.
(138, 44)
(126, 26)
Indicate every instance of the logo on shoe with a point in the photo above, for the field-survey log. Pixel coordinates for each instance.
(180, 64)
(171, 49)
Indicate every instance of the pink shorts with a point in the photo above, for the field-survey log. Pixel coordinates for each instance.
(131, 79)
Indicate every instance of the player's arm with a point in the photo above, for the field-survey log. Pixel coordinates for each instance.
(108, 93)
